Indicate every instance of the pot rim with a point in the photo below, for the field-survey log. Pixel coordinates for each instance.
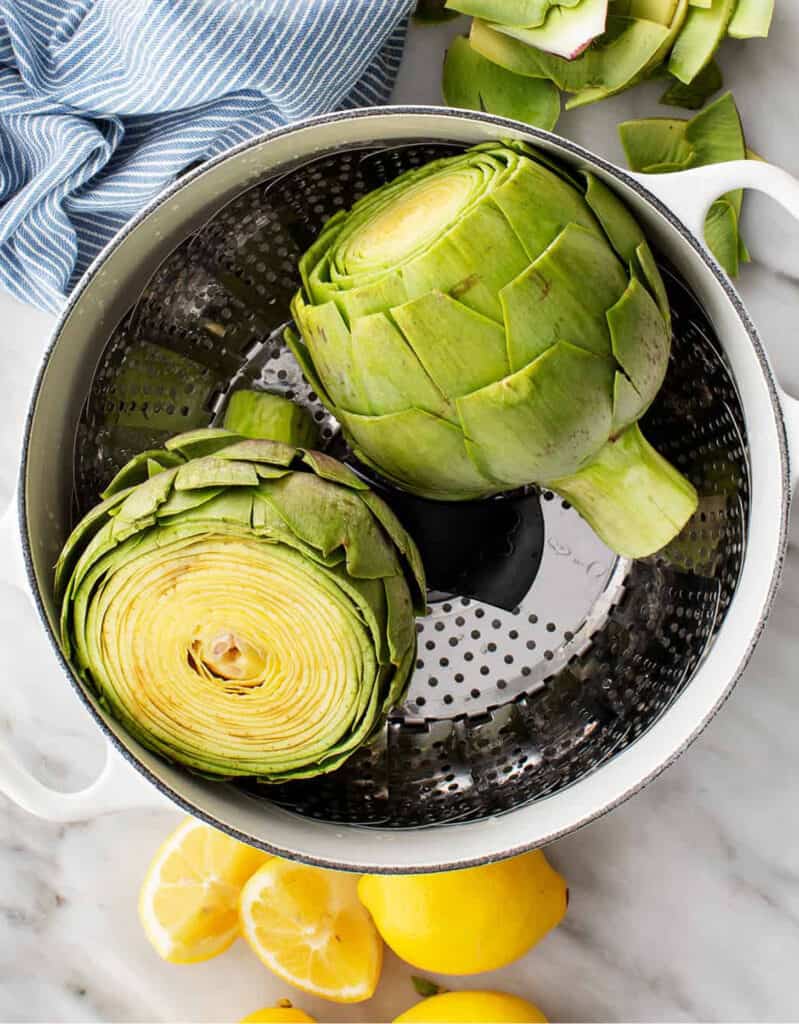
(456, 115)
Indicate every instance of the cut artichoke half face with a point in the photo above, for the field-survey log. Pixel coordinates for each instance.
(248, 611)
(491, 320)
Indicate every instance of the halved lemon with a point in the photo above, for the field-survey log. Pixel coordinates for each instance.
(188, 904)
(308, 926)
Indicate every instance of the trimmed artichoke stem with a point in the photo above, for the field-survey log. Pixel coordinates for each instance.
(633, 498)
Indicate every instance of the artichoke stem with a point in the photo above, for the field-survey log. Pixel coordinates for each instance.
(633, 498)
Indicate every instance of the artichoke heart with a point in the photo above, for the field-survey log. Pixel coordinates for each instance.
(491, 320)
(241, 606)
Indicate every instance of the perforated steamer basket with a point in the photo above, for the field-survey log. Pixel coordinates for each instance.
(521, 724)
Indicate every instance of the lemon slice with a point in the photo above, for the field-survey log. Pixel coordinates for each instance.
(308, 926)
(188, 904)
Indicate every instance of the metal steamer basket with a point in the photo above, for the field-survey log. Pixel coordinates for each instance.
(553, 679)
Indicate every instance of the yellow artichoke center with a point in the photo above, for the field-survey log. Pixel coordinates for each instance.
(413, 219)
(228, 656)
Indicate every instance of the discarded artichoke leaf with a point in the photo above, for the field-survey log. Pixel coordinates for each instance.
(752, 19)
(472, 82)
(715, 135)
(520, 13)
(696, 94)
(640, 45)
(699, 39)
(566, 32)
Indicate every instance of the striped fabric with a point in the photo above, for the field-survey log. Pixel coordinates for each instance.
(103, 102)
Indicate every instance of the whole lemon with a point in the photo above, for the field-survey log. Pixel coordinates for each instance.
(456, 1007)
(467, 921)
(286, 1014)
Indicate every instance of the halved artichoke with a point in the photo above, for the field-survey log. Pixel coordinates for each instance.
(243, 607)
(490, 320)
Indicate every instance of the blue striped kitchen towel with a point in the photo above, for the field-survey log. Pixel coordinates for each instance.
(103, 102)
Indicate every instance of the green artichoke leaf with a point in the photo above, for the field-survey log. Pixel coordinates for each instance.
(419, 450)
(722, 235)
(180, 502)
(649, 273)
(203, 441)
(696, 93)
(264, 416)
(566, 32)
(328, 518)
(331, 469)
(403, 542)
(715, 135)
(628, 405)
(83, 533)
(141, 467)
(564, 393)
(622, 229)
(472, 82)
(524, 13)
(212, 471)
(300, 352)
(699, 38)
(266, 454)
(461, 350)
(142, 502)
(627, 51)
(540, 203)
(549, 302)
(641, 340)
(752, 19)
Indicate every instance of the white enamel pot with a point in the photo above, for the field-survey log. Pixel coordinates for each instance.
(672, 210)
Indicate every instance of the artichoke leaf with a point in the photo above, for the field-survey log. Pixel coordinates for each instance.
(472, 82)
(264, 416)
(141, 467)
(509, 425)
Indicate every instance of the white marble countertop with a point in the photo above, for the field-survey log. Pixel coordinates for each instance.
(684, 902)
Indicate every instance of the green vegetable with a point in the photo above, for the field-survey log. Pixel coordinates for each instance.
(699, 39)
(475, 83)
(592, 49)
(696, 94)
(662, 145)
(242, 607)
(259, 414)
(491, 320)
(752, 19)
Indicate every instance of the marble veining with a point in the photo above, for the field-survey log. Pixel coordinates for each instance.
(684, 901)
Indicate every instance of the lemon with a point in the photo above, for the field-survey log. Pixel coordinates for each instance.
(188, 904)
(283, 1013)
(454, 1007)
(467, 921)
(308, 926)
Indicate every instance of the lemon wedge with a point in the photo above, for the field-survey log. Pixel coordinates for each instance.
(188, 904)
(308, 926)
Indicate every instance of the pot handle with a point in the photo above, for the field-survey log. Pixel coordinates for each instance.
(118, 786)
(690, 194)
